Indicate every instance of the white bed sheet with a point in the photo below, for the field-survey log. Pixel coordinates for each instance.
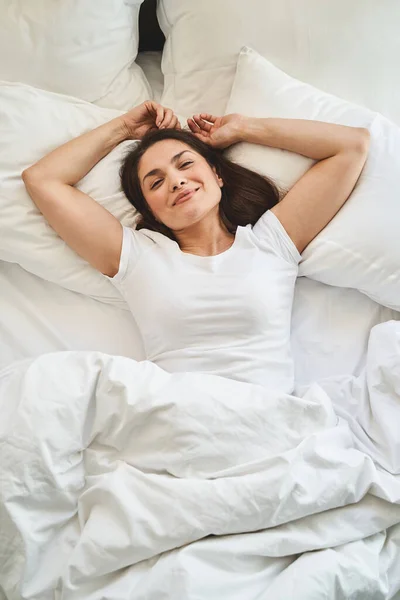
(37, 317)
(330, 330)
(330, 326)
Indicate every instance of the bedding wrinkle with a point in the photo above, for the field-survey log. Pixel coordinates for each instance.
(253, 471)
(199, 427)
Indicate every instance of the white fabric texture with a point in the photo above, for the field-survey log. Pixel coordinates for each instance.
(331, 45)
(84, 49)
(360, 247)
(329, 336)
(37, 317)
(227, 314)
(91, 507)
(32, 123)
(150, 62)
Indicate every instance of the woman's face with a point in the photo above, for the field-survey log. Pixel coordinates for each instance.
(178, 184)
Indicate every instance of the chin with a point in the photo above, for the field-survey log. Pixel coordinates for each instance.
(186, 219)
(192, 212)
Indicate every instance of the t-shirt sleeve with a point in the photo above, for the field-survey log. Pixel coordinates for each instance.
(271, 233)
(134, 243)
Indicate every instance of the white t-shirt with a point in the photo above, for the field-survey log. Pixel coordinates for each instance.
(227, 314)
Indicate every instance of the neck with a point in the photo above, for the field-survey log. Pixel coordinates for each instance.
(208, 237)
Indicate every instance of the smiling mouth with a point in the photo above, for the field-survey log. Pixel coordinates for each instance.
(185, 197)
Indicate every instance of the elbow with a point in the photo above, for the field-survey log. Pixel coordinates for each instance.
(363, 140)
(32, 178)
(28, 175)
(111, 272)
(25, 175)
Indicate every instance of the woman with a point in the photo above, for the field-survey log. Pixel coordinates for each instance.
(209, 272)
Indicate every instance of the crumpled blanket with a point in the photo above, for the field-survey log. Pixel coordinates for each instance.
(119, 480)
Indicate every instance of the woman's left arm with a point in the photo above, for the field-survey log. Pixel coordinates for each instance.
(341, 152)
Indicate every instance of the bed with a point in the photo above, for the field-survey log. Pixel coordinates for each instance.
(118, 531)
(330, 326)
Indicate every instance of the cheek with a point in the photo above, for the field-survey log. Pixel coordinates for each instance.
(211, 184)
(206, 178)
(155, 200)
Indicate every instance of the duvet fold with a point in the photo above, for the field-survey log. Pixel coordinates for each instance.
(119, 480)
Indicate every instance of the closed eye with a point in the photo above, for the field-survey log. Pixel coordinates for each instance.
(155, 184)
(182, 166)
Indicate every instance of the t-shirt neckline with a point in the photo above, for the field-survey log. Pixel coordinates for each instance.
(213, 257)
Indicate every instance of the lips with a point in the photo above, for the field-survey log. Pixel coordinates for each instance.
(183, 196)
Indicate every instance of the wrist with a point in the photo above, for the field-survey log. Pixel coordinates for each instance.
(121, 129)
(243, 127)
(251, 128)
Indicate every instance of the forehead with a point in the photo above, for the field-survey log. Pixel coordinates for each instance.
(161, 153)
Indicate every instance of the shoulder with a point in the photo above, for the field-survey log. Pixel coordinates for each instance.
(139, 240)
(135, 244)
(272, 236)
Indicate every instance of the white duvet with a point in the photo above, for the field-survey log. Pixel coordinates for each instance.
(121, 481)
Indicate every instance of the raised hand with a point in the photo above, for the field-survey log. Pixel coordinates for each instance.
(148, 116)
(219, 132)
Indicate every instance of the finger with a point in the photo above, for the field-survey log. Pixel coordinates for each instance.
(208, 117)
(190, 124)
(160, 114)
(174, 123)
(193, 126)
(168, 116)
(204, 138)
(151, 107)
(201, 123)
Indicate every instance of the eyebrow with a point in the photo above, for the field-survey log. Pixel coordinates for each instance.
(174, 159)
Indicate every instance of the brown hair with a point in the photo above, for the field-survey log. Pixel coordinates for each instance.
(245, 194)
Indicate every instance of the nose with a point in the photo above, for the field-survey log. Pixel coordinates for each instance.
(178, 183)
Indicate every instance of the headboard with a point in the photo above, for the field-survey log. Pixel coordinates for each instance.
(150, 35)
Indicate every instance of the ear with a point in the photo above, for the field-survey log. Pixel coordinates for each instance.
(218, 178)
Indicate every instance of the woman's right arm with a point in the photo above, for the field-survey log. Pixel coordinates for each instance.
(87, 227)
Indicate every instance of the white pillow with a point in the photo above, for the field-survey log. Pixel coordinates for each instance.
(332, 45)
(84, 48)
(32, 123)
(150, 62)
(360, 247)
